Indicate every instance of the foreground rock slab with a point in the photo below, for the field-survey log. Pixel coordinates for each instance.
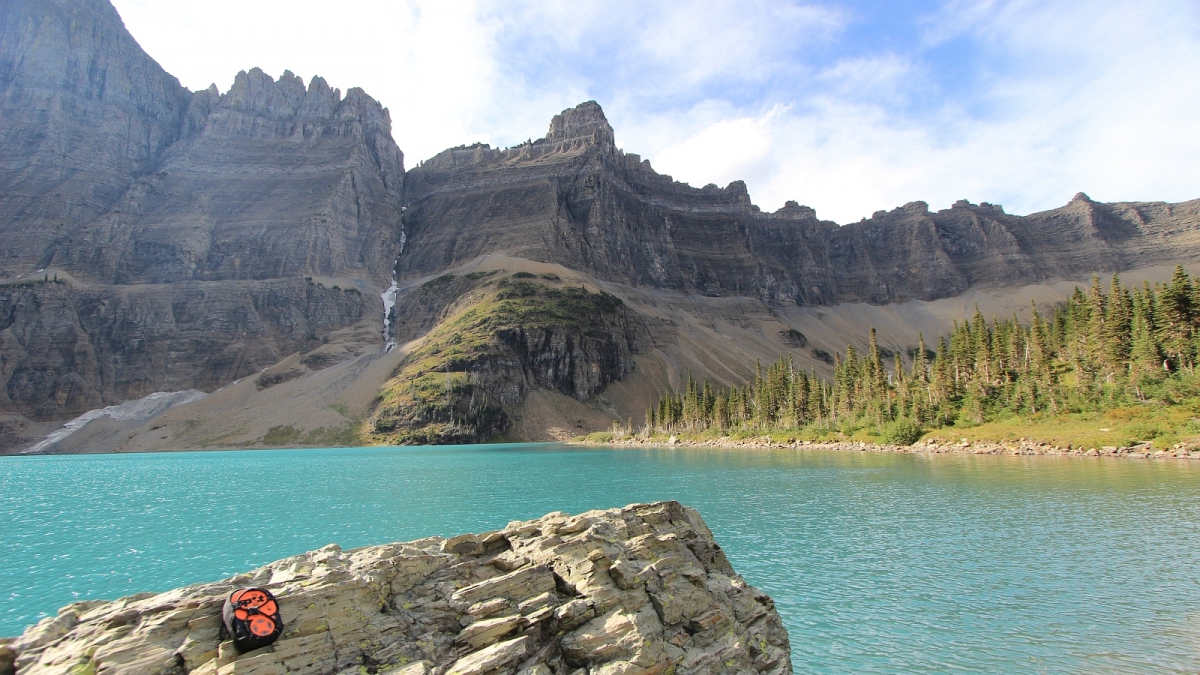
(640, 590)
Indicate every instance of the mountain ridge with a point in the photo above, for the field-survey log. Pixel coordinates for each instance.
(197, 239)
(589, 205)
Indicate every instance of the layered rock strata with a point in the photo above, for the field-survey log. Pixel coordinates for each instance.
(182, 223)
(573, 198)
(84, 112)
(69, 348)
(635, 591)
(113, 171)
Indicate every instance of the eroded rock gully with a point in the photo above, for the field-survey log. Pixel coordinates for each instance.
(635, 591)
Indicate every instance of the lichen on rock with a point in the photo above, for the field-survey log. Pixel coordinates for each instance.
(640, 590)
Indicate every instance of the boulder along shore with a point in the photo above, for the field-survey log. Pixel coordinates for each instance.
(640, 590)
(931, 446)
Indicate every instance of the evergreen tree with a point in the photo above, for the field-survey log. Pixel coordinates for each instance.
(1176, 320)
(1134, 338)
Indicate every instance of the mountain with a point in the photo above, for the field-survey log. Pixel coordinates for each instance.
(182, 226)
(154, 239)
(573, 198)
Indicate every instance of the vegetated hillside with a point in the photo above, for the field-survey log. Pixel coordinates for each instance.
(1122, 363)
(503, 337)
(156, 239)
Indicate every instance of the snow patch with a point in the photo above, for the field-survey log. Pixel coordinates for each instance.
(141, 409)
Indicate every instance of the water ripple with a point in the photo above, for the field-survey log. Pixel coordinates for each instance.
(878, 563)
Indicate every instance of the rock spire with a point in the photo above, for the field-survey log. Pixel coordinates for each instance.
(585, 120)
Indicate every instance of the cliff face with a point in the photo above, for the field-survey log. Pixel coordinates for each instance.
(271, 179)
(67, 348)
(83, 113)
(112, 170)
(573, 198)
(641, 590)
(498, 337)
(183, 223)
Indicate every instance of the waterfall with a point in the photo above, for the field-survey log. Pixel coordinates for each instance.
(389, 300)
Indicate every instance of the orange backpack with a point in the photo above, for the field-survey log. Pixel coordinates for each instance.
(251, 617)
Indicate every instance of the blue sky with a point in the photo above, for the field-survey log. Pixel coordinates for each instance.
(849, 107)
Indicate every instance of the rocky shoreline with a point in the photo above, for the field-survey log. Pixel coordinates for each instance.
(930, 446)
(640, 590)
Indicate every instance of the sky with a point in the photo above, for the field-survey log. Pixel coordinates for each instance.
(849, 107)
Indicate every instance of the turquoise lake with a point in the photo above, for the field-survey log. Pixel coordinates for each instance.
(878, 563)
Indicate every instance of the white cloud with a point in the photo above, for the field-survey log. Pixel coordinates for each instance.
(430, 62)
(1065, 96)
(659, 49)
(1102, 101)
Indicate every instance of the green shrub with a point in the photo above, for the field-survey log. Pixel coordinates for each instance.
(280, 435)
(1145, 432)
(903, 431)
(438, 281)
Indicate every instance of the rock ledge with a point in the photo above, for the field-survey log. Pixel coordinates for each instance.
(641, 590)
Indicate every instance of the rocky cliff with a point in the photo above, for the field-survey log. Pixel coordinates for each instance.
(183, 225)
(116, 173)
(573, 198)
(83, 113)
(269, 180)
(157, 239)
(70, 348)
(641, 590)
(496, 337)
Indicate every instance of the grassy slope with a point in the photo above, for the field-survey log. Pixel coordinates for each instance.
(433, 397)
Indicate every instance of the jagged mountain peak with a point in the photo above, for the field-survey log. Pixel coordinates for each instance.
(572, 132)
(257, 92)
(585, 120)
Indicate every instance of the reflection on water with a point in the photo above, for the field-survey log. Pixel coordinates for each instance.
(878, 562)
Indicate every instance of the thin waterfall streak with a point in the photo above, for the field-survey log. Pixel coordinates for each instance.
(389, 301)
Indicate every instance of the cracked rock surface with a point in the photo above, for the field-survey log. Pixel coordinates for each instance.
(640, 590)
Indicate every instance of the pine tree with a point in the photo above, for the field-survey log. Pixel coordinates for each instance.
(1096, 314)
(721, 412)
(875, 375)
(707, 401)
(920, 365)
(1133, 337)
(1145, 351)
(1115, 336)
(1175, 320)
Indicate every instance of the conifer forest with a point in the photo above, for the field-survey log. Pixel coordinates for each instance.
(1103, 348)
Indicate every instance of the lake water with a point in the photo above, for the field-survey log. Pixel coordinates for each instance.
(878, 563)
